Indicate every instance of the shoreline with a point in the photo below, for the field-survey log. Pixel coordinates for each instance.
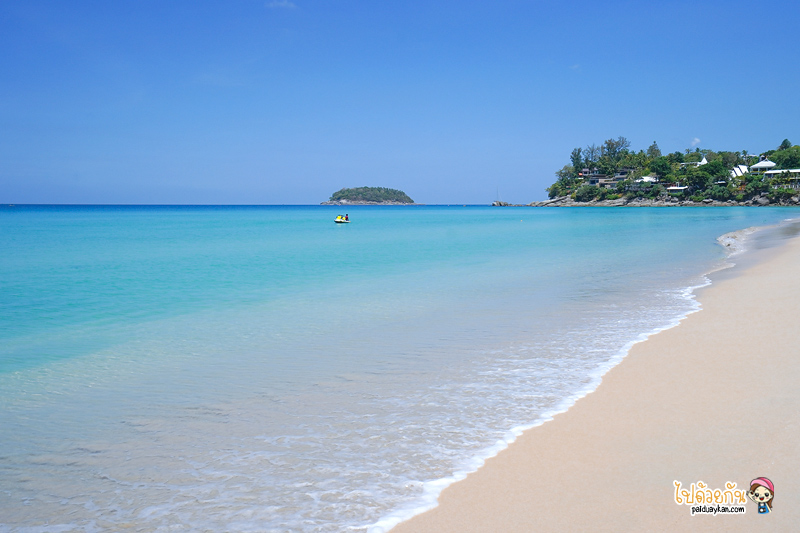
(566, 201)
(434, 488)
(502, 494)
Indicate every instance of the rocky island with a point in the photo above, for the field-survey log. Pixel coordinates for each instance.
(369, 196)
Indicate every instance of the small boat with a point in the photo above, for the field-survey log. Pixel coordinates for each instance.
(342, 220)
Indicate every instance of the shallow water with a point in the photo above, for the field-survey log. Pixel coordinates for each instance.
(262, 368)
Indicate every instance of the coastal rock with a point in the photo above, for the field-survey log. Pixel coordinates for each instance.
(662, 201)
(559, 200)
(618, 202)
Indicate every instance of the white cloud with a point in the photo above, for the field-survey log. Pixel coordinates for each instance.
(576, 66)
(277, 4)
(695, 142)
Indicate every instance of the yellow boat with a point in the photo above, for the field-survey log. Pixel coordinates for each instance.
(341, 220)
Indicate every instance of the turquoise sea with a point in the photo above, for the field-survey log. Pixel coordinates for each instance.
(264, 369)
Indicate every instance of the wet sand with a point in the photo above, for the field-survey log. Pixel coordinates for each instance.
(715, 399)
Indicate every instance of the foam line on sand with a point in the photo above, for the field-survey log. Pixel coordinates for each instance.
(715, 399)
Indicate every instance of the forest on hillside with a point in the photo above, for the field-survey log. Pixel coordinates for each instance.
(612, 170)
(371, 194)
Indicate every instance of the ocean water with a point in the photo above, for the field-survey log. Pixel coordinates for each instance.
(264, 369)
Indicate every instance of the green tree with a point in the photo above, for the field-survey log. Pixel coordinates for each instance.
(653, 151)
(717, 170)
(633, 160)
(676, 157)
(606, 165)
(785, 144)
(754, 185)
(587, 193)
(591, 154)
(719, 192)
(693, 157)
(697, 178)
(787, 158)
(730, 159)
(614, 149)
(567, 172)
(577, 160)
(565, 183)
(661, 166)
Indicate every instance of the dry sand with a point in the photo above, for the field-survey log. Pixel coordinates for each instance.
(715, 399)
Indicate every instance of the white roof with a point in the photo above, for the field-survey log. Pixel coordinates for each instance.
(762, 164)
(792, 171)
(703, 162)
(739, 170)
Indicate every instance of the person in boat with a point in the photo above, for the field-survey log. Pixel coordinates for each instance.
(347, 217)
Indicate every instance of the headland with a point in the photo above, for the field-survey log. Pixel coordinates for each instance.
(614, 175)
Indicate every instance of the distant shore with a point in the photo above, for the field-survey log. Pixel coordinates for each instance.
(712, 401)
(566, 201)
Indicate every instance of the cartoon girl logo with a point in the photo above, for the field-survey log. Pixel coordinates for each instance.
(762, 491)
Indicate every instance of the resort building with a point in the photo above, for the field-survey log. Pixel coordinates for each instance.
(592, 176)
(739, 171)
(700, 163)
(787, 179)
(595, 177)
(762, 166)
(642, 184)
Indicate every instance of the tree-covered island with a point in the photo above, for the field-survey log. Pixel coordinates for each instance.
(613, 174)
(369, 196)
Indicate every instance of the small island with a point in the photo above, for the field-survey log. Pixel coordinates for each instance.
(369, 196)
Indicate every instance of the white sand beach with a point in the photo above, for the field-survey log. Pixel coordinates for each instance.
(715, 399)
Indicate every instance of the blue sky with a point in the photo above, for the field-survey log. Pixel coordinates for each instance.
(287, 101)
